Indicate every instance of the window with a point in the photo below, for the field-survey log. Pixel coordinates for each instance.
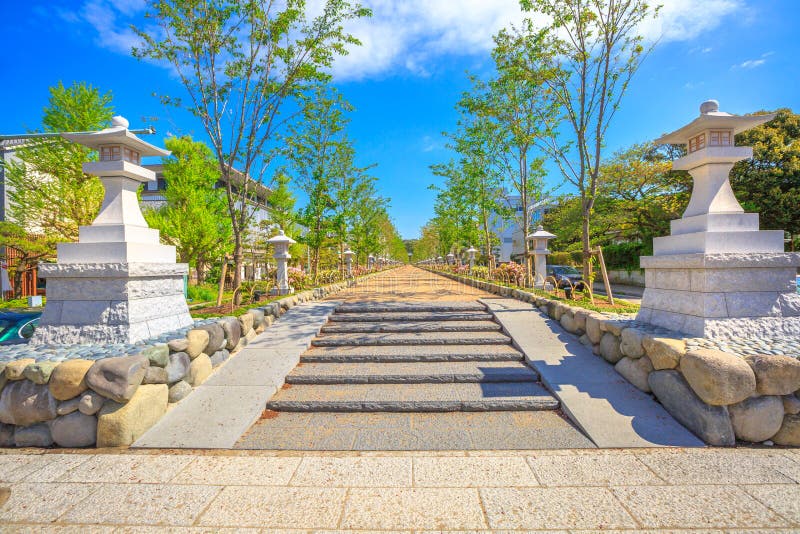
(131, 155)
(720, 138)
(508, 240)
(697, 142)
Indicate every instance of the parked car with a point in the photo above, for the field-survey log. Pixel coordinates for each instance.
(566, 276)
(17, 327)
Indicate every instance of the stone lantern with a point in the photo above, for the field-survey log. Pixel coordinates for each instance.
(281, 243)
(118, 283)
(539, 251)
(451, 258)
(717, 275)
(348, 260)
(409, 257)
(471, 255)
(439, 260)
(370, 262)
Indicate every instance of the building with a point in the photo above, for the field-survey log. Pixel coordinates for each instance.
(509, 232)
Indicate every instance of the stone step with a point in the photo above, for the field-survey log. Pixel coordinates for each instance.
(409, 307)
(411, 373)
(432, 338)
(412, 326)
(406, 316)
(522, 396)
(413, 353)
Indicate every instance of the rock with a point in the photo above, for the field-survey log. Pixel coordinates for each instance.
(117, 378)
(712, 424)
(775, 375)
(39, 372)
(636, 371)
(198, 341)
(631, 343)
(791, 405)
(268, 320)
(24, 403)
(216, 337)
(568, 323)
(615, 327)
(157, 355)
(593, 327)
(179, 390)
(91, 402)
(155, 375)
(789, 434)
(7, 436)
(757, 418)
(718, 378)
(14, 370)
(664, 352)
(580, 319)
(246, 321)
(233, 332)
(251, 335)
(258, 317)
(68, 380)
(199, 370)
(178, 345)
(218, 357)
(609, 348)
(68, 406)
(122, 424)
(178, 366)
(33, 436)
(74, 430)
(556, 310)
(584, 339)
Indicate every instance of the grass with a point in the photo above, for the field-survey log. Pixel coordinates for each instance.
(18, 305)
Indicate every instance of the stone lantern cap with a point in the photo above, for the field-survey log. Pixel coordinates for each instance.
(348, 253)
(117, 133)
(540, 233)
(281, 238)
(472, 250)
(711, 118)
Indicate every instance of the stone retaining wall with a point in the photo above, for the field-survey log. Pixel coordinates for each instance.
(112, 401)
(719, 396)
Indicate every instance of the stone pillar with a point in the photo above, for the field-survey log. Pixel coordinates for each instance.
(471, 251)
(348, 260)
(540, 252)
(281, 243)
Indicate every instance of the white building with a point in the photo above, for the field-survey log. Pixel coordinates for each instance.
(509, 232)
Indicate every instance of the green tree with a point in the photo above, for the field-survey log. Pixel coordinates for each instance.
(194, 217)
(243, 64)
(49, 193)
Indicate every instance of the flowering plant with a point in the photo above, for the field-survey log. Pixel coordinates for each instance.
(511, 272)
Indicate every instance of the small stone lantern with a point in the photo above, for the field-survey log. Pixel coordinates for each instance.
(348, 260)
(471, 252)
(281, 243)
(540, 252)
(370, 262)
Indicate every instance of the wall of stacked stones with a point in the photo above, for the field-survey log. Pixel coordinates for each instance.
(111, 402)
(719, 396)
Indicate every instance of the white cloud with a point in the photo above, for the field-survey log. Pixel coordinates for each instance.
(113, 33)
(753, 63)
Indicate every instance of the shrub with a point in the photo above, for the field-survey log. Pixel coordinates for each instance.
(204, 293)
(511, 273)
(480, 271)
(297, 278)
(625, 255)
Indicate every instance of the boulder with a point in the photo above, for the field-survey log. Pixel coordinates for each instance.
(179, 390)
(614, 326)
(609, 348)
(155, 375)
(178, 366)
(718, 378)
(216, 336)
(91, 402)
(233, 331)
(791, 405)
(775, 375)
(198, 341)
(199, 370)
(580, 319)
(117, 378)
(39, 372)
(789, 434)
(556, 310)
(712, 424)
(246, 321)
(757, 419)
(218, 357)
(258, 317)
(664, 352)
(68, 406)
(630, 342)
(178, 345)
(14, 370)
(68, 380)
(584, 339)
(74, 430)
(635, 371)
(122, 424)
(568, 323)
(593, 327)
(7, 435)
(157, 355)
(33, 436)
(24, 403)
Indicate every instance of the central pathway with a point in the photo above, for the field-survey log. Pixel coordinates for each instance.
(412, 362)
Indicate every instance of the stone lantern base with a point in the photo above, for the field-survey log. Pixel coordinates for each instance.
(722, 295)
(277, 291)
(111, 302)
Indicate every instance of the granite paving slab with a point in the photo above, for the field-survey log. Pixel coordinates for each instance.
(340, 317)
(409, 307)
(412, 353)
(433, 338)
(611, 411)
(412, 326)
(410, 372)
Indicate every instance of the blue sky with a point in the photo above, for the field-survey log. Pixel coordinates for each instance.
(411, 70)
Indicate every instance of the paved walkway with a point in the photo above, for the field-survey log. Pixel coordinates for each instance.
(652, 490)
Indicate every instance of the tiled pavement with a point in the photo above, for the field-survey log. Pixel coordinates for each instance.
(644, 490)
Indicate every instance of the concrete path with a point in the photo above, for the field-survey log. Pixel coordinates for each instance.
(218, 412)
(719, 491)
(611, 411)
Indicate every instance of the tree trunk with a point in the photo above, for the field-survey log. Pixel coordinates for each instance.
(238, 260)
(222, 273)
(587, 253)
